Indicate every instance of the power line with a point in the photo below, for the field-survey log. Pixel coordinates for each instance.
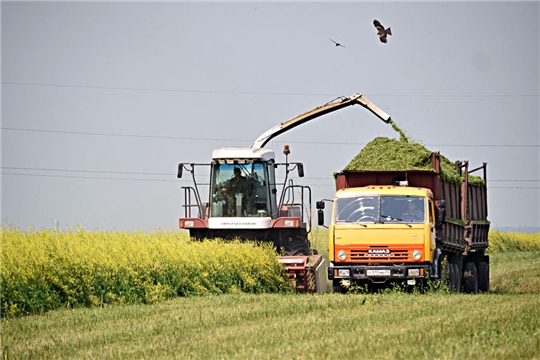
(116, 134)
(93, 177)
(172, 174)
(257, 92)
(186, 181)
(84, 171)
(245, 140)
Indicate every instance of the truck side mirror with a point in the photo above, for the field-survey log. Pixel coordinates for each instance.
(300, 170)
(320, 204)
(180, 169)
(320, 217)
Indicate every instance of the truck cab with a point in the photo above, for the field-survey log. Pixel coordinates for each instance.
(380, 234)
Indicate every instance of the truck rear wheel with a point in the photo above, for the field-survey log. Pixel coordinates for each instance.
(457, 279)
(483, 276)
(470, 278)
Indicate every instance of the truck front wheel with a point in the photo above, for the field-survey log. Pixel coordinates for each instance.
(337, 287)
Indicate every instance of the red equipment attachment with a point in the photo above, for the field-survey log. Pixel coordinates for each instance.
(307, 272)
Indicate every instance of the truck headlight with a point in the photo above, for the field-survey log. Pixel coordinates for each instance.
(342, 255)
(189, 223)
(344, 272)
(414, 272)
(416, 254)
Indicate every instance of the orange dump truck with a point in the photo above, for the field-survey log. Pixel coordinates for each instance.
(411, 227)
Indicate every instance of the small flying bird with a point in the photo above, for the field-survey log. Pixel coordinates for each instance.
(337, 44)
(381, 31)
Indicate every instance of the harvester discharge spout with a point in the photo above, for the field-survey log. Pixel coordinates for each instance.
(329, 107)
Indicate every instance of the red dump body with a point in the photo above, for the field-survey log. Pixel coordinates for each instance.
(466, 225)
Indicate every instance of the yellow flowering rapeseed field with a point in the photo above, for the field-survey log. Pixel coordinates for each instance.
(43, 270)
(513, 241)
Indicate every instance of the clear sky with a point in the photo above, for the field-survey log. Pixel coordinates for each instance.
(101, 101)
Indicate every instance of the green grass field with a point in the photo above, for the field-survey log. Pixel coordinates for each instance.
(504, 324)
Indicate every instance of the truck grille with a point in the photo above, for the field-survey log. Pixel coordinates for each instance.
(379, 254)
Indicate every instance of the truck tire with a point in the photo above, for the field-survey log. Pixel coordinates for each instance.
(457, 279)
(451, 276)
(443, 283)
(470, 278)
(337, 288)
(483, 276)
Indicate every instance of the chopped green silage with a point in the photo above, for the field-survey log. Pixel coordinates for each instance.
(385, 154)
(402, 135)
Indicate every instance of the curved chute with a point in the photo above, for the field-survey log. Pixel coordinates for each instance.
(329, 107)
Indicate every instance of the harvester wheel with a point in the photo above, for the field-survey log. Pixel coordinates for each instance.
(295, 247)
(483, 276)
(470, 278)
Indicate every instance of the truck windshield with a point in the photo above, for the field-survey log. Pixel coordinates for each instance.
(239, 190)
(405, 209)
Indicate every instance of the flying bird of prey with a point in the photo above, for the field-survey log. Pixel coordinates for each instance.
(381, 31)
(337, 44)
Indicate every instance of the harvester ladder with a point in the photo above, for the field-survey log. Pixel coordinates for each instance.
(189, 194)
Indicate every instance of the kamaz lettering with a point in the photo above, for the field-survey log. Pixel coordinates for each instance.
(378, 251)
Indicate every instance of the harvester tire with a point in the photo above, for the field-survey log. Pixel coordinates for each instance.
(295, 248)
(470, 278)
(483, 276)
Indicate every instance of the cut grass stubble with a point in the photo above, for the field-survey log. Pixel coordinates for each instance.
(293, 326)
(502, 324)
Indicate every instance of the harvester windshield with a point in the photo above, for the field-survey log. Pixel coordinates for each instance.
(240, 190)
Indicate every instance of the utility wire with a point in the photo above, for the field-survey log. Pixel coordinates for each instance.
(257, 92)
(94, 177)
(172, 174)
(187, 181)
(85, 171)
(245, 140)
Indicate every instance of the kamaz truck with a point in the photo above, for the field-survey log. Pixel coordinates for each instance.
(376, 241)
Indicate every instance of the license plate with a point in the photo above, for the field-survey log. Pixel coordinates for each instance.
(378, 273)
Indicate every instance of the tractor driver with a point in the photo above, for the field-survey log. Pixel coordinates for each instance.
(237, 185)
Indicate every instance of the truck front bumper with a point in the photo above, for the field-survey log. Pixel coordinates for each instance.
(380, 273)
